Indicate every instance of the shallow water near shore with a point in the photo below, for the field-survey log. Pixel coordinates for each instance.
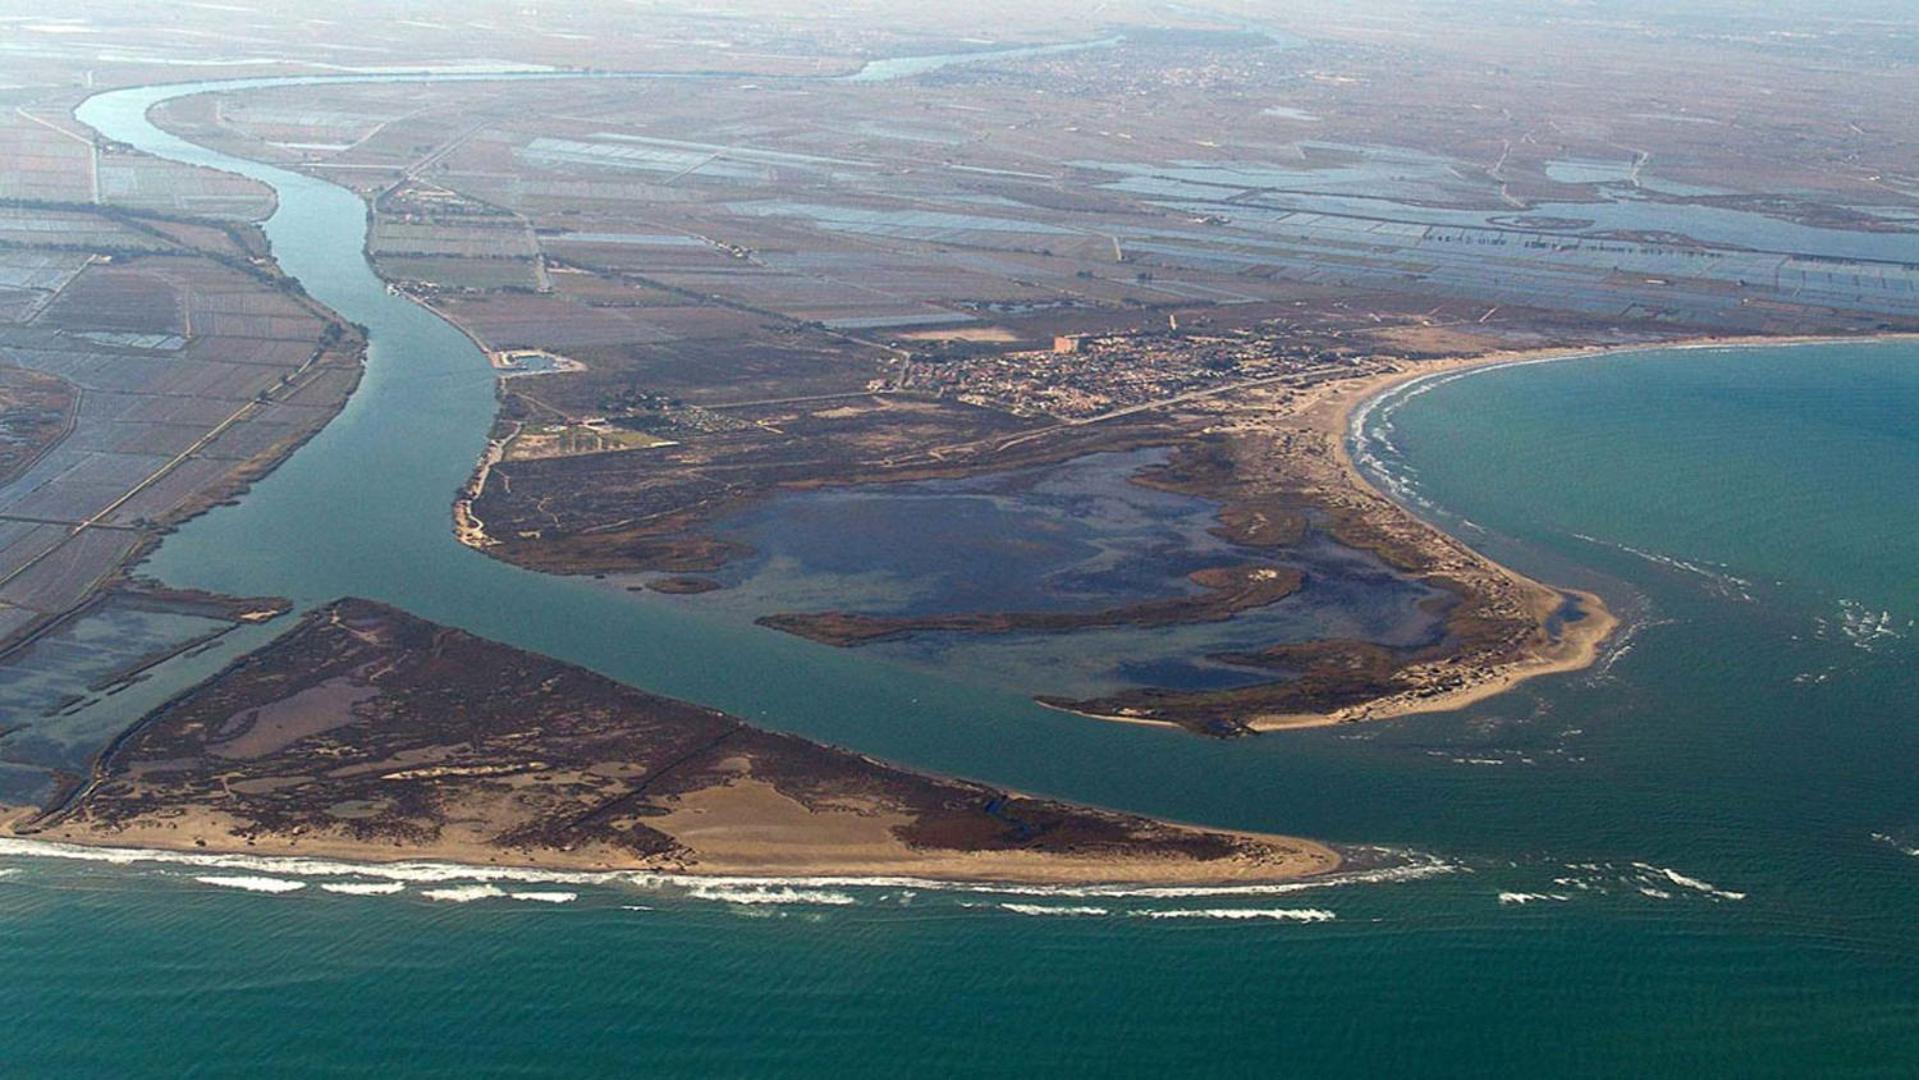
(1696, 857)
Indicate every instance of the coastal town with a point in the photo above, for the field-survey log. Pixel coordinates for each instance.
(1085, 376)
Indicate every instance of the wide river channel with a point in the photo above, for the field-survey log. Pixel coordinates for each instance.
(1702, 856)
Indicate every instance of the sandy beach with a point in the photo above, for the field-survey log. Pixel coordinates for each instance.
(1330, 412)
(736, 831)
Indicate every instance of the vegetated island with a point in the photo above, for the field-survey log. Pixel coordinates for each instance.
(1229, 590)
(367, 733)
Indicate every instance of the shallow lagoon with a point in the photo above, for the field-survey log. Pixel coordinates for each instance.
(1081, 537)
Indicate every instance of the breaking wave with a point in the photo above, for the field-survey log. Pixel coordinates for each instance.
(770, 894)
(1522, 898)
(1862, 627)
(1692, 883)
(1656, 882)
(1896, 845)
(1424, 867)
(364, 888)
(1715, 575)
(1047, 909)
(253, 884)
(456, 883)
(1310, 915)
(1370, 430)
(463, 894)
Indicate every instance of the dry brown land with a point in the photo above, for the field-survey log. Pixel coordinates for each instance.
(1229, 590)
(755, 267)
(367, 733)
(36, 411)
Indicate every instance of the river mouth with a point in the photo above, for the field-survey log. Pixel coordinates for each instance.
(1699, 855)
(364, 509)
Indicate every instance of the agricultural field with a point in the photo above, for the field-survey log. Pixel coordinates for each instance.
(139, 387)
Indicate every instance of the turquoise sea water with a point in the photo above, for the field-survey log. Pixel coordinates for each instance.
(1726, 806)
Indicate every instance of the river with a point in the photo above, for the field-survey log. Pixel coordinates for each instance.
(1695, 858)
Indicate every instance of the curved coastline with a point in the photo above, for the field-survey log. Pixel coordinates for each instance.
(1559, 645)
(1584, 642)
(1311, 859)
(1350, 404)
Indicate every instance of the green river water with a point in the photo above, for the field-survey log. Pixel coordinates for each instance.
(1701, 857)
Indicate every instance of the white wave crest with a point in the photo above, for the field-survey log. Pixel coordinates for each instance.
(1896, 845)
(1370, 441)
(1692, 883)
(253, 884)
(1864, 628)
(1425, 867)
(1531, 897)
(821, 889)
(1310, 915)
(769, 895)
(463, 894)
(364, 888)
(1046, 909)
(545, 897)
(1713, 574)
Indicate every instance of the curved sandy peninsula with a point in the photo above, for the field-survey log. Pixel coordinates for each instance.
(1559, 630)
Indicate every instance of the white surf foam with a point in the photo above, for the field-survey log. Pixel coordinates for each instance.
(1046, 909)
(1310, 915)
(762, 894)
(1692, 883)
(545, 897)
(1531, 897)
(1896, 845)
(1863, 627)
(253, 884)
(1713, 574)
(364, 888)
(1370, 440)
(1426, 867)
(463, 894)
(820, 889)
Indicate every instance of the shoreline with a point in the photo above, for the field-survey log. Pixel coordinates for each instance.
(1383, 865)
(1580, 644)
(1314, 861)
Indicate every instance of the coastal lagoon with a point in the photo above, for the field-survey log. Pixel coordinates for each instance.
(1077, 537)
(1697, 856)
